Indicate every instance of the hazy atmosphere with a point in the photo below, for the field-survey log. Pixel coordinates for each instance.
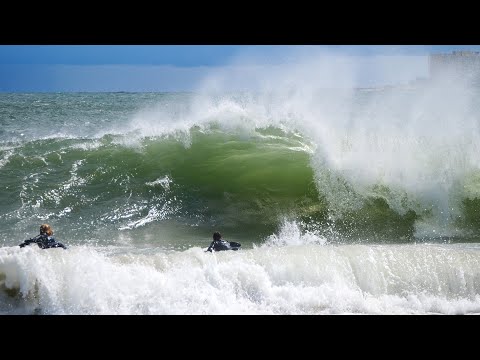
(157, 68)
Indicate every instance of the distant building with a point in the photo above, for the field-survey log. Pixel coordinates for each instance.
(457, 65)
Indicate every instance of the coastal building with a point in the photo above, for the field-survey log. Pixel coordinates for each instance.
(456, 65)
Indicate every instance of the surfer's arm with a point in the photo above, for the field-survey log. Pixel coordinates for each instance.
(210, 247)
(29, 241)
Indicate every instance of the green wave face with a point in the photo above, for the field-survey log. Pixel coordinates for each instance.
(369, 172)
(244, 184)
(239, 183)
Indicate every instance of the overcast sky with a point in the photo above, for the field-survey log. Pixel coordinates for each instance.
(58, 68)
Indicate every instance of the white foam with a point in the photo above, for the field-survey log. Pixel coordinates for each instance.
(291, 279)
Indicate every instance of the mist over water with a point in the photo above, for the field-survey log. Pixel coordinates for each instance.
(346, 198)
(409, 148)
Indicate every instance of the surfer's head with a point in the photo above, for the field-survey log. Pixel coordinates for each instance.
(45, 229)
(217, 235)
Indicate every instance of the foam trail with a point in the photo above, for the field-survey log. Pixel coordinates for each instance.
(290, 279)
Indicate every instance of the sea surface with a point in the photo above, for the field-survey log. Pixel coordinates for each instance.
(345, 201)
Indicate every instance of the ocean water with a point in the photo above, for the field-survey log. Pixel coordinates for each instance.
(345, 201)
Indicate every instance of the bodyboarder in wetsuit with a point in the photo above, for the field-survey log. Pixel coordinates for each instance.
(45, 240)
(218, 244)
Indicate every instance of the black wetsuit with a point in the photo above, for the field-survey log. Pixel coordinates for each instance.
(219, 245)
(44, 242)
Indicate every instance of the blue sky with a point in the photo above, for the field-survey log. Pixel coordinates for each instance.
(32, 68)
